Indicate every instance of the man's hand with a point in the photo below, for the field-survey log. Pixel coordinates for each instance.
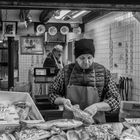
(75, 113)
(67, 104)
(92, 109)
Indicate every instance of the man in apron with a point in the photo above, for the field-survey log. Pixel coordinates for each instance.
(85, 83)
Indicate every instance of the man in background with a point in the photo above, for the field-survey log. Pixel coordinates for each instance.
(54, 58)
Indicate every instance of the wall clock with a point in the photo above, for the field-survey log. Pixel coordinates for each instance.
(52, 30)
(64, 30)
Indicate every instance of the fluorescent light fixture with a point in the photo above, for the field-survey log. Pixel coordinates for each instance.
(62, 13)
(79, 13)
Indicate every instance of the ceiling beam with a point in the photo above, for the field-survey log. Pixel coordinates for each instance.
(134, 2)
(119, 5)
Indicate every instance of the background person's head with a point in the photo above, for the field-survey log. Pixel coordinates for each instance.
(84, 52)
(57, 51)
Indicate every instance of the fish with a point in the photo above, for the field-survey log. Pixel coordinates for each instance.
(58, 137)
(31, 134)
(72, 135)
(80, 114)
(60, 123)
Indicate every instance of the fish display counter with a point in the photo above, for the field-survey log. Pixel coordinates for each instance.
(70, 129)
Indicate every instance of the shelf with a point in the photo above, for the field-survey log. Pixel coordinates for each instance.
(3, 48)
(55, 42)
(3, 63)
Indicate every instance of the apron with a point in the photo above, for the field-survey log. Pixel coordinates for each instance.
(84, 96)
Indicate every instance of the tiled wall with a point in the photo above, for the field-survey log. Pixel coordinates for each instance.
(25, 61)
(117, 40)
(25, 64)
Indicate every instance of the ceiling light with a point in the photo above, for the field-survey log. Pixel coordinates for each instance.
(67, 17)
(62, 13)
(79, 13)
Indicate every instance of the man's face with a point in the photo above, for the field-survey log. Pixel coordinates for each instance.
(85, 61)
(58, 54)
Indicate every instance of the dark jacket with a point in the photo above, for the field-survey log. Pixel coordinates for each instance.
(86, 78)
(49, 61)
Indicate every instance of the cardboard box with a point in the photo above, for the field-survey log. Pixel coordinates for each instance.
(15, 97)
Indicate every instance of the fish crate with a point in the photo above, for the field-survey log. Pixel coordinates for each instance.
(12, 97)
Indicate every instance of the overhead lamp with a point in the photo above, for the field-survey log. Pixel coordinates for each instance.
(62, 14)
(78, 14)
(67, 17)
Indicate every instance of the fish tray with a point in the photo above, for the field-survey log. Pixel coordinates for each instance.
(17, 97)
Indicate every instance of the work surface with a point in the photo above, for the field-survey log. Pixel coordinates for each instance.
(70, 129)
(108, 131)
(64, 129)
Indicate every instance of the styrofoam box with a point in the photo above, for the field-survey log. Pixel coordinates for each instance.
(15, 97)
(130, 105)
(129, 109)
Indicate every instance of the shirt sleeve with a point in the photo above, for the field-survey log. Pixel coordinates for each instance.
(112, 96)
(56, 88)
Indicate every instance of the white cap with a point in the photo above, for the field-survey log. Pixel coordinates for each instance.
(58, 48)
